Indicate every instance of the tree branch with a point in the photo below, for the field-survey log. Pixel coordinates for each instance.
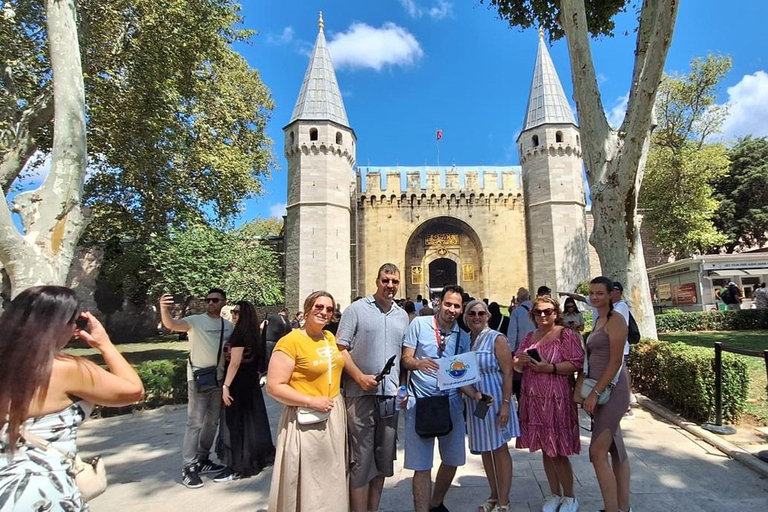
(24, 146)
(589, 105)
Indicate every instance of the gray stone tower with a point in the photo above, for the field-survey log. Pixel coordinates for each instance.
(553, 183)
(320, 149)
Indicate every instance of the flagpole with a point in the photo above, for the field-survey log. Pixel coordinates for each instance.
(437, 130)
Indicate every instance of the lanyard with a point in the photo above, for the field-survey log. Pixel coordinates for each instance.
(440, 339)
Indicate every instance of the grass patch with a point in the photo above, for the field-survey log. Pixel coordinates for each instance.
(139, 352)
(757, 401)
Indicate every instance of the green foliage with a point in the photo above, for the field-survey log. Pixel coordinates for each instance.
(583, 288)
(677, 191)
(683, 377)
(196, 259)
(109, 282)
(546, 13)
(271, 226)
(746, 319)
(743, 195)
(165, 381)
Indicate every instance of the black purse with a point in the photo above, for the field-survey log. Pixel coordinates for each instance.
(433, 413)
(206, 379)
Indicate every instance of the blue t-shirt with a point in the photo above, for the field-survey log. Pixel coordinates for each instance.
(421, 336)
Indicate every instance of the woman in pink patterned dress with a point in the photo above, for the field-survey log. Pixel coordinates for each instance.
(548, 417)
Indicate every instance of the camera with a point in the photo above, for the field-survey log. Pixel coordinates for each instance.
(81, 323)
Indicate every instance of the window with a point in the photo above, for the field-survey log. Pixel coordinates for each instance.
(535, 140)
(338, 138)
(313, 134)
(577, 140)
(559, 136)
(293, 138)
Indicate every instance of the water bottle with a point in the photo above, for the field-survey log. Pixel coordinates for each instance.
(402, 392)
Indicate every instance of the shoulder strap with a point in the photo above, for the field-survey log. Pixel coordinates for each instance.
(41, 444)
(221, 342)
(525, 307)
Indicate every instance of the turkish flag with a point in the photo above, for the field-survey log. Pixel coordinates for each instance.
(439, 134)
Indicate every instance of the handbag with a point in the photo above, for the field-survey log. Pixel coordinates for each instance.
(585, 386)
(433, 413)
(206, 379)
(90, 474)
(308, 416)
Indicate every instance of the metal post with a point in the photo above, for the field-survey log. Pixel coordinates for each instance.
(718, 427)
(763, 455)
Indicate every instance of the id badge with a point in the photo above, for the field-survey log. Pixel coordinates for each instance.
(386, 406)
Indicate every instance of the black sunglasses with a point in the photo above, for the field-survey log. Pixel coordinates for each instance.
(215, 300)
(235, 312)
(389, 280)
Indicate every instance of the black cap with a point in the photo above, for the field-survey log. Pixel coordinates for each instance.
(543, 290)
(617, 286)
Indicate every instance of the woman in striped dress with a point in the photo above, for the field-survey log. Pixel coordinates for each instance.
(489, 436)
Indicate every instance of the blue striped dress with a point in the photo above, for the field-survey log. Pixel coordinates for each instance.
(486, 435)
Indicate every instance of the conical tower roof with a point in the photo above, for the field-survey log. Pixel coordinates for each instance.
(319, 98)
(547, 102)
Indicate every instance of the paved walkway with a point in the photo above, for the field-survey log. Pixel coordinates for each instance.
(671, 471)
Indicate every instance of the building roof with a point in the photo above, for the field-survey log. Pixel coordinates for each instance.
(547, 102)
(319, 98)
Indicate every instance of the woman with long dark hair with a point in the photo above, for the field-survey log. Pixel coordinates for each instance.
(47, 393)
(245, 441)
(605, 356)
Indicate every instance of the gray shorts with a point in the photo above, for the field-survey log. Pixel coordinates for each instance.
(372, 440)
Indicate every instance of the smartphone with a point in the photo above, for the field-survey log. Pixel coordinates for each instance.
(81, 323)
(533, 354)
(481, 409)
(178, 298)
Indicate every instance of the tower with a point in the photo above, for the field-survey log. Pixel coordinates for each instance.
(553, 183)
(320, 149)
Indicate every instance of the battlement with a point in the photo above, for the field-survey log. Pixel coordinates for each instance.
(374, 181)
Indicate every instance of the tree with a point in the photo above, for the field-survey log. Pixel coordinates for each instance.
(175, 117)
(614, 159)
(192, 261)
(52, 216)
(743, 195)
(677, 191)
(271, 226)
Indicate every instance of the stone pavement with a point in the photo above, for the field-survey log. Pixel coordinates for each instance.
(671, 471)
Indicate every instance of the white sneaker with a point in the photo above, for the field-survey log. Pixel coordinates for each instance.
(552, 503)
(569, 504)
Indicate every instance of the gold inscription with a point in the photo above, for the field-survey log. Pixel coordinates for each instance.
(417, 275)
(442, 239)
(468, 272)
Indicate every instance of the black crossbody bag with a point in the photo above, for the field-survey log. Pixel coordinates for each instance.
(433, 413)
(206, 379)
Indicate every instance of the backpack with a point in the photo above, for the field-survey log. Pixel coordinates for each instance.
(727, 295)
(633, 331)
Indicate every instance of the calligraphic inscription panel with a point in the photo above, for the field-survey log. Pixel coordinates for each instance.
(441, 239)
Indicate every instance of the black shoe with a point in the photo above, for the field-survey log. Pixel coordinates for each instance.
(205, 466)
(439, 508)
(227, 475)
(190, 477)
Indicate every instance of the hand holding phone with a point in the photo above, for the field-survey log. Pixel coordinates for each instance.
(481, 409)
(533, 354)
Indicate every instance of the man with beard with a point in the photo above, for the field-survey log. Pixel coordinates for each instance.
(370, 332)
(428, 339)
(207, 334)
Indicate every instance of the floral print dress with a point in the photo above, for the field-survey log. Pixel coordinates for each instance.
(36, 480)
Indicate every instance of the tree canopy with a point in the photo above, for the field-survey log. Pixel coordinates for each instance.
(743, 195)
(677, 192)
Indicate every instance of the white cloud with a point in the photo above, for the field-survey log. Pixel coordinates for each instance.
(440, 9)
(748, 107)
(283, 38)
(616, 114)
(277, 210)
(364, 46)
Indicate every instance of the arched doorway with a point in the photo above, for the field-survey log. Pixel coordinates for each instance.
(442, 272)
(441, 251)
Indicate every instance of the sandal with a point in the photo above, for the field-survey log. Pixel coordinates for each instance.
(501, 508)
(488, 506)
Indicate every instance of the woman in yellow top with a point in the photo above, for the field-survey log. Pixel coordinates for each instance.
(310, 472)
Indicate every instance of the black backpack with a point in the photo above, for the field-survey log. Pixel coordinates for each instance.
(633, 331)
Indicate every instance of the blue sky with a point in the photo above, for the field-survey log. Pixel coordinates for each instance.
(406, 67)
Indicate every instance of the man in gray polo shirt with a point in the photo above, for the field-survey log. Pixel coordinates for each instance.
(371, 331)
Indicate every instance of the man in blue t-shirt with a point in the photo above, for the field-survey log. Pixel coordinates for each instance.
(428, 339)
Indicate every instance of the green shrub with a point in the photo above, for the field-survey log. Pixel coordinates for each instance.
(675, 320)
(165, 382)
(683, 377)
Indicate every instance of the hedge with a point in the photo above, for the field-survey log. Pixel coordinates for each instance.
(165, 382)
(683, 377)
(675, 320)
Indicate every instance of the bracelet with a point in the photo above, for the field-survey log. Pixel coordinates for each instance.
(554, 369)
(596, 392)
(507, 401)
(224, 386)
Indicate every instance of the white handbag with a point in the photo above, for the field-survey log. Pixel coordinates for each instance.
(308, 416)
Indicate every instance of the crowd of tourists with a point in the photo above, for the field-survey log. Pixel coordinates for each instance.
(343, 389)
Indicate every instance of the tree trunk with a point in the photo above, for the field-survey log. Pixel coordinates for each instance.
(52, 216)
(615, 160)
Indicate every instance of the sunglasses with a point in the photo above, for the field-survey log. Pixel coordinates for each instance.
(388, 280)
(215, 300)
(543, 312)
(481, 314)
(320, 308)
(235, 312)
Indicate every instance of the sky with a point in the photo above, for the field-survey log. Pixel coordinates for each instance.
(408, 67)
